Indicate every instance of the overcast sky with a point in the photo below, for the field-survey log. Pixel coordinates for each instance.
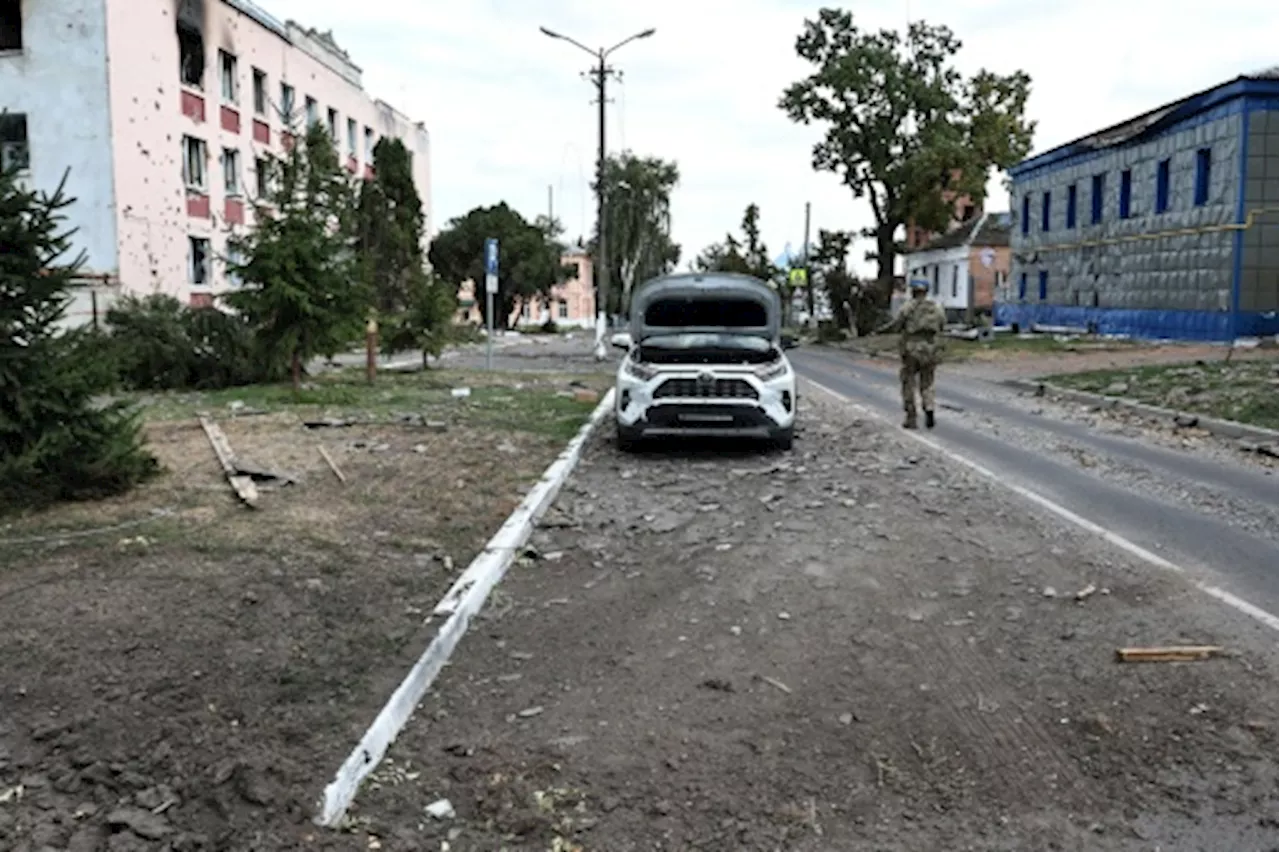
(509, 114)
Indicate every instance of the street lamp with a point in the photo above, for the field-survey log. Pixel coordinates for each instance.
(600, 76)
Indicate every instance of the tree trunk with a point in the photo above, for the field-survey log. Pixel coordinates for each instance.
(885, 256)
(296, 370)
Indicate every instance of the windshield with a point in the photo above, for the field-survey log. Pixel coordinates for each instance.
(741, 342)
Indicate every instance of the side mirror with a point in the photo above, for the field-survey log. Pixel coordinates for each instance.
(621, 340)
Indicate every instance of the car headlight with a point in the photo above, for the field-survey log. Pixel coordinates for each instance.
(769, 372)
(638, 370)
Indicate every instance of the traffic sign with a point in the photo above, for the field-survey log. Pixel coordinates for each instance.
(490, 283)
(491, 256)
(799, 276)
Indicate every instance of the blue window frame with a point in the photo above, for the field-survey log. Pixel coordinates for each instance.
(1095, 199)
(1126, 193)
(1162, 186)
(1202, 176)
(1071, 206)
(1026, 214)
(1046, 206)
(1044, 284)
(1022, 287)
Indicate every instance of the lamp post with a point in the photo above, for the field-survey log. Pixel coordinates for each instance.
(599, 75)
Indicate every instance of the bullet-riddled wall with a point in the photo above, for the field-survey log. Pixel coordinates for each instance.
(1145, 228)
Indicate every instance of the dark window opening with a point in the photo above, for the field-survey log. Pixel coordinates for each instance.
(1202, 177)
(259, 92)
(286, 103)
(10, 24)
(229, 75)
(967, 213)
(706, 313)
(1071, 206)
(1044, 284)
(313, 114)
(955, 282)
(191, 56)
(14, 150)
(1095, 298)
(1026, 214)
(1162, 186)
(198, 260)
(333, 124)
(1095, 199)
(1126, 193)
(935, 281)
(1022, 287)
(1046, 208)
(262, 174)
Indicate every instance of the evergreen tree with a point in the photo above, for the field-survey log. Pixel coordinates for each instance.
(56, 440)
(302, 291)
(390, 229)
(424, 324)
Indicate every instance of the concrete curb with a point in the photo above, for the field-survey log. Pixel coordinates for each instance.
(460, 604)
(1225, 428)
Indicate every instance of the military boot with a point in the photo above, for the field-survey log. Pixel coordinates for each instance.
(928, 419)
(910, 421)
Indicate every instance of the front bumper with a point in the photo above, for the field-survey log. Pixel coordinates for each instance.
(734, 404)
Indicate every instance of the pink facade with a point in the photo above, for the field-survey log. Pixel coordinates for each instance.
(197, 93)
(572, 303)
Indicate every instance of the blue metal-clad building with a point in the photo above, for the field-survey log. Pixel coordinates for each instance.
(1164, 226)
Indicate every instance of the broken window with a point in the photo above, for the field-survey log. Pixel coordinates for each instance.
(259, 92)
(351, 136)
(193, 163)
(286, 103)
(191, 56)
(333, 125)
(313, 114)
(368, 144)
(198, 261)
(227, 73)
(231, 171)
(14, 152)
(263, 174)
(10, 24)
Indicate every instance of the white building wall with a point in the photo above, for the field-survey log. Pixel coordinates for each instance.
(59, 81)
(949, 268)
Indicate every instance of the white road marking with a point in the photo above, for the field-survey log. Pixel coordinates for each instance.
(460, 603)
(1239, 604)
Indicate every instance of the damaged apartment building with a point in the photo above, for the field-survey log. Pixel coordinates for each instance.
(1163, 226)
(162, 114)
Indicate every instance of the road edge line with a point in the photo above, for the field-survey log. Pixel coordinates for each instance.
(1115, 539)
(463, 600)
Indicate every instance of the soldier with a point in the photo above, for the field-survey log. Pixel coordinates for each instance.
(920, 322)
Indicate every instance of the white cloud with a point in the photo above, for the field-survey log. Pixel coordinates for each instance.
(510, 115)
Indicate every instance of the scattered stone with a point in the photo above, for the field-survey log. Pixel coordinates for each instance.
(735, 630)
(1050, 592)
(530, 712)
(141, 822)
(441, 809)
(717, 684)
(784, 616)
(847, 718)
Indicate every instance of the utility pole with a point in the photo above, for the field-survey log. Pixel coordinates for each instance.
(599, 76)
(808, 278)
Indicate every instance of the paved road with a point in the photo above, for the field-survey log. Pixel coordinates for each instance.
(1239, 560)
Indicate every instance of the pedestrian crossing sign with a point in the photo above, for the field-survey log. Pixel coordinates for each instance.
(799, 277)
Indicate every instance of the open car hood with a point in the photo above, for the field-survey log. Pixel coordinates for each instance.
(713, 303)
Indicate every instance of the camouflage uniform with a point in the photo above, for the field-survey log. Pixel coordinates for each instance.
(920, 322)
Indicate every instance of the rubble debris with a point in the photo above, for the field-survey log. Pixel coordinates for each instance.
(717, 684)
(141, 822)
(328, 423)
(460, 393)
(530, 712)
(242, 484)
(1086, 592)
(441, 809)
(775, 683)
(333, 466)
(1168, 654)
(586, 395)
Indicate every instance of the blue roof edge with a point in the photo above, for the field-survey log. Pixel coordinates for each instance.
(1179, 110)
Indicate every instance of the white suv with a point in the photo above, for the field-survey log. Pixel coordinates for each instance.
(705, 358)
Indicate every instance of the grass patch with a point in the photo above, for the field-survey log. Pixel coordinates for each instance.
(540, 404)
(1243, 391)
(956, 350)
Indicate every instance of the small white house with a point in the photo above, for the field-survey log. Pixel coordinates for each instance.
(966, 266)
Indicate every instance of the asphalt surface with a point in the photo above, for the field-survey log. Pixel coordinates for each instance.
(1214, 550)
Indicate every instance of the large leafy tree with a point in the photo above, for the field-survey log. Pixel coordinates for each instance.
(56, 441)
(390, 223)
(529, 256)
(904, 129)
(301, 288)
(640, 246)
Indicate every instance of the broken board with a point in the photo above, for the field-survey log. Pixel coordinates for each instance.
(241, 483)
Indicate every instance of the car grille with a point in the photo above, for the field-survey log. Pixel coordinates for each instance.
(717, 389)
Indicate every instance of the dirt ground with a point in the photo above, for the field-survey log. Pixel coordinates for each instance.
(852, 646)
(191, 675)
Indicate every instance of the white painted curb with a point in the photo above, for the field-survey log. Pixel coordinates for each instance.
(461, 603)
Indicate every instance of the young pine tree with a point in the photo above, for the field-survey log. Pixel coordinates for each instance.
(301, 287)
(57, 442)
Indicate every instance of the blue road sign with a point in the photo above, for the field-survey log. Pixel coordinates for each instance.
(491, 256)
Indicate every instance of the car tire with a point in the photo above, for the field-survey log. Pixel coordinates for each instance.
(625, 440)
(784, 439)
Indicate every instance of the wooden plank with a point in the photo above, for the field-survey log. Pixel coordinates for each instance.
(242, 485)
(333, 466)
(1168, 654)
